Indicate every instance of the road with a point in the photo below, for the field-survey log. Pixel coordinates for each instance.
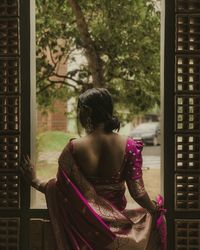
(151, 150)
(151, 157)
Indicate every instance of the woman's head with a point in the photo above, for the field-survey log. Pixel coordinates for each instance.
(95, 106)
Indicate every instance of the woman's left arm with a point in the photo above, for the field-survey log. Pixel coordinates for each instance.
(28, 171)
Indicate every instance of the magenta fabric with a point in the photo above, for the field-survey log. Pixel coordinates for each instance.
(133, 168)
(103, 222)
(81, 222)
(161, 223)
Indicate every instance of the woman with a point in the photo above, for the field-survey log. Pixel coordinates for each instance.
(87, 200)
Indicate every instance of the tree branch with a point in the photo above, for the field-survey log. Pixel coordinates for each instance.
(53, 83)
(94, 61)
(45, 75)
(51, 56)
(79, 82)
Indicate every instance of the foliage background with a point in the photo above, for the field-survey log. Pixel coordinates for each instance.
(124, 37)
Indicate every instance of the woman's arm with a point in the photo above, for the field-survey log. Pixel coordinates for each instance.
(137, 191)
(133, 175)
(39, 185)
(28, 171)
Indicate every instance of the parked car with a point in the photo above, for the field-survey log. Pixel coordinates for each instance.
(148, 132)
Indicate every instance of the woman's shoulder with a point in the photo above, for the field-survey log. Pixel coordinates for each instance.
(131, 142)
(78, 144)
(69, 150)
(79, 141)
(68, 147)
(134, 144)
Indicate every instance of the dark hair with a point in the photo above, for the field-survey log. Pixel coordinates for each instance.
(99, 102)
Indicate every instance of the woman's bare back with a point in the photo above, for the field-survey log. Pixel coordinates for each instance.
(99, 154)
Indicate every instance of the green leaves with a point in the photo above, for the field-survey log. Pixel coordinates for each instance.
(126, 37)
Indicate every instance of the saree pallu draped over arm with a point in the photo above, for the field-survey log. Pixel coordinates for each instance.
(82, 219)
(75, 224)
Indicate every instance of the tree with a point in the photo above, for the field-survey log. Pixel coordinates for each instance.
(120, 40)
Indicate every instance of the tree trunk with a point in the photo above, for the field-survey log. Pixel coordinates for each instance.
(94, 61)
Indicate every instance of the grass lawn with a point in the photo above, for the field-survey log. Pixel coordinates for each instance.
(52, 141)
(49, 145)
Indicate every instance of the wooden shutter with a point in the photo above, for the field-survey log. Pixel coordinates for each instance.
(9, 124)
(182, 131)
(21, 228)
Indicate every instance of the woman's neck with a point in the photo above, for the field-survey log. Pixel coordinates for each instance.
(99, 129)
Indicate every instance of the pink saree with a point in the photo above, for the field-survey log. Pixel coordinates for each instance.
(91, 213)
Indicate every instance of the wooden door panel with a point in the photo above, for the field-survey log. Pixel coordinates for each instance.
(10, 135)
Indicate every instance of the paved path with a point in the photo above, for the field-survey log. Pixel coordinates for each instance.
(151, 157)
(151, 162)
(151, 150)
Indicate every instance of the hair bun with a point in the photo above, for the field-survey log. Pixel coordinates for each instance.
(112, 124)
